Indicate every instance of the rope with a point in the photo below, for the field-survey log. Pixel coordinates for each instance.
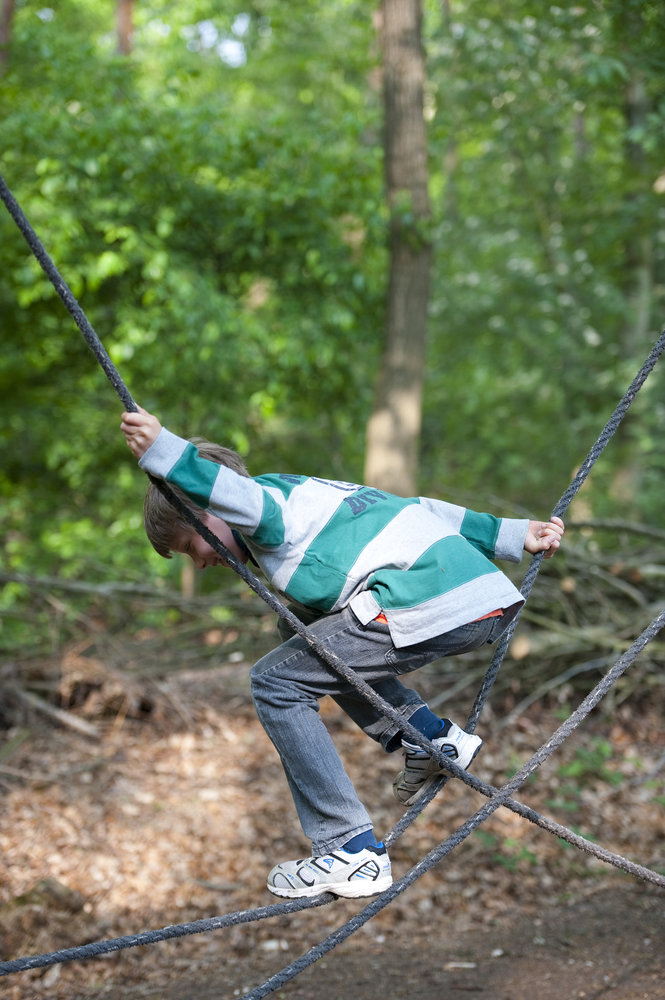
(96, 948)
(98, 349)
(560, 508)
(66, 294)
(241, 569)
(246, 574)
(116, 381)
(497, 797)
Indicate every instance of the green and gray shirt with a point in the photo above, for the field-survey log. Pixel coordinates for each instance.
(328, 545)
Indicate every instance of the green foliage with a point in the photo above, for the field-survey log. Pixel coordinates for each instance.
(590, 764)
(215, 202)
(658, 800)
(540, 201)
(507, 852)
(226, 245)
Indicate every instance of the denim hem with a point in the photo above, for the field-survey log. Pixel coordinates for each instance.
(391, 739)
(337, 842)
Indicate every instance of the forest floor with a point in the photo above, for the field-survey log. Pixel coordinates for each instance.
(178, 815)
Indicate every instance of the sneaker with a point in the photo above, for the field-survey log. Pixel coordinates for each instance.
(421, 770)
(350, 875)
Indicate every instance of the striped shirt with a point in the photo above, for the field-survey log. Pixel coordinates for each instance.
(327, 545)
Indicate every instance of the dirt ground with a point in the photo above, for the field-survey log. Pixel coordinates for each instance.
(179, 815)
(608, 945)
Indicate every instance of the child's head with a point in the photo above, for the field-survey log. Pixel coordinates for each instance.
(162, 522)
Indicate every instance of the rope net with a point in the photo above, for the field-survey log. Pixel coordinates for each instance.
(496, 797)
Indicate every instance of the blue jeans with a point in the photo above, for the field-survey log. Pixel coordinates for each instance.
(287, 685)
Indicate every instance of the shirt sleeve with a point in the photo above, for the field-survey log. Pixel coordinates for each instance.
(495, 537)
(238, 500)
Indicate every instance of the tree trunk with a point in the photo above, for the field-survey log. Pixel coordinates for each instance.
(125, 25)
(638, 251)
(6, 18)
(393, 430)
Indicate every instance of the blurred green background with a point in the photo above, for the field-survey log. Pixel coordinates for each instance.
(215, 200)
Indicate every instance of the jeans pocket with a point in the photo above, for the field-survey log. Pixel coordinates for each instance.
(465, 638)
(462, 639)
(409, 658)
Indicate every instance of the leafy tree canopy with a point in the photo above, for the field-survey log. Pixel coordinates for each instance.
(215, 202)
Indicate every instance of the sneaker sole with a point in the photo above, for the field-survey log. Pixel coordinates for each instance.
(350, 890)
(428, 782)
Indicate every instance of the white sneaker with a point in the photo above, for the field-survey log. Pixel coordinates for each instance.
(421, 770)
(365, 873)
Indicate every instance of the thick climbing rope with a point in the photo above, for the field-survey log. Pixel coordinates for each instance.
(497, 797)
(561, 507)
(252, 581)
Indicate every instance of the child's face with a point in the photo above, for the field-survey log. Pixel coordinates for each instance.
(190, 543)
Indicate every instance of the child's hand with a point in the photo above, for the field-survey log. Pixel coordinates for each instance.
(544, 536)
(140, 430)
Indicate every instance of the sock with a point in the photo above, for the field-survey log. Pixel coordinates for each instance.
(360, 842)
(429, 724)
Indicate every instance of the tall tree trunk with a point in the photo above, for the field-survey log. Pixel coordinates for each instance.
(125, 25)
(6, 18)
(393, 430)
(638, 250)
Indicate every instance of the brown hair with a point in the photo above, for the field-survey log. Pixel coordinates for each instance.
(161, 520)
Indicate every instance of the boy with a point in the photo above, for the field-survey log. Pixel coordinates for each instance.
(388, 584)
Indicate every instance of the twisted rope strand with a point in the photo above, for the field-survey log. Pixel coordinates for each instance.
(66, 294)
(96, 948)
(500, 797)
(259, 588)
(560, 508)
(497, 797)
